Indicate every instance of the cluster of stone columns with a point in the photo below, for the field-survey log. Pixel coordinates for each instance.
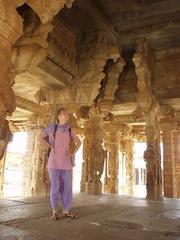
(101, 154)
(106, 163)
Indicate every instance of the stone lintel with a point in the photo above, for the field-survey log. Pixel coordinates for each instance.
(29, 106)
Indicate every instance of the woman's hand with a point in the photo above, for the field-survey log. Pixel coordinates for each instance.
(52, 148)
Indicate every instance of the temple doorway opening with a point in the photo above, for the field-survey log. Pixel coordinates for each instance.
(139, 170)
(13, 184)
(77, 170)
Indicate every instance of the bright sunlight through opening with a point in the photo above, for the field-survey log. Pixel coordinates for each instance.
(13, 175)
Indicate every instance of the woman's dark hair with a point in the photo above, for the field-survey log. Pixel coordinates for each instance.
(59, 112)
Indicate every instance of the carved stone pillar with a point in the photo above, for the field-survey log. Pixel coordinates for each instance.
(5, 137)
(28, 164)
(126, 148)
(112, 160)
(143, 60)
(83, 178)
(129, 165)
(152, 155)
(168, 160)
(96, 156)
(176, 145)
(36, 181)
(93, 153)
(2, 165)
(85, 164)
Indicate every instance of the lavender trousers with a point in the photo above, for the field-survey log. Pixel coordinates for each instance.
(60, 186)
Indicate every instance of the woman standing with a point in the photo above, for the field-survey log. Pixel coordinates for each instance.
(60, 162)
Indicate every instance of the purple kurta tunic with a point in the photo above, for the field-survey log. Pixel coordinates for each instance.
(59, 158)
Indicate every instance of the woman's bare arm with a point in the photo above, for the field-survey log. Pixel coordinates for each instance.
(42, 139)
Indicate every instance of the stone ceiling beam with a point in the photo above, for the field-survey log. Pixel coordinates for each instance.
(174, 102)
(135, 120)
(29, 106)
(158, 11)
(124, 108)
(128, 107)
(129, 119)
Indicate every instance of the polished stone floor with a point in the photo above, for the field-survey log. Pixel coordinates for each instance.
(100, 217)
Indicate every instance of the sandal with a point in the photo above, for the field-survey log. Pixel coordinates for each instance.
(54, 217)
(69, 215)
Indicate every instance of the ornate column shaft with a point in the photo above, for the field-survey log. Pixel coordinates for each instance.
(168, 160)
(112, 161)
(85, 164)
(93, 153)
(176, 145)
(129, 165)
(2, 165)
(152, 156)
(29, 164)
(126, 147)
(36, 181)
(96, 156)
(5, 137)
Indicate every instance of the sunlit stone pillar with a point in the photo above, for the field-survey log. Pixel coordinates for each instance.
(96, 156)
(93, 154)
(85, 164)
(168, 160)
(129, 143)
(152, 156)
(29, 164)
(5, 138)
(176, 147)
(2, 167)
(36, 181)
(112, 160)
